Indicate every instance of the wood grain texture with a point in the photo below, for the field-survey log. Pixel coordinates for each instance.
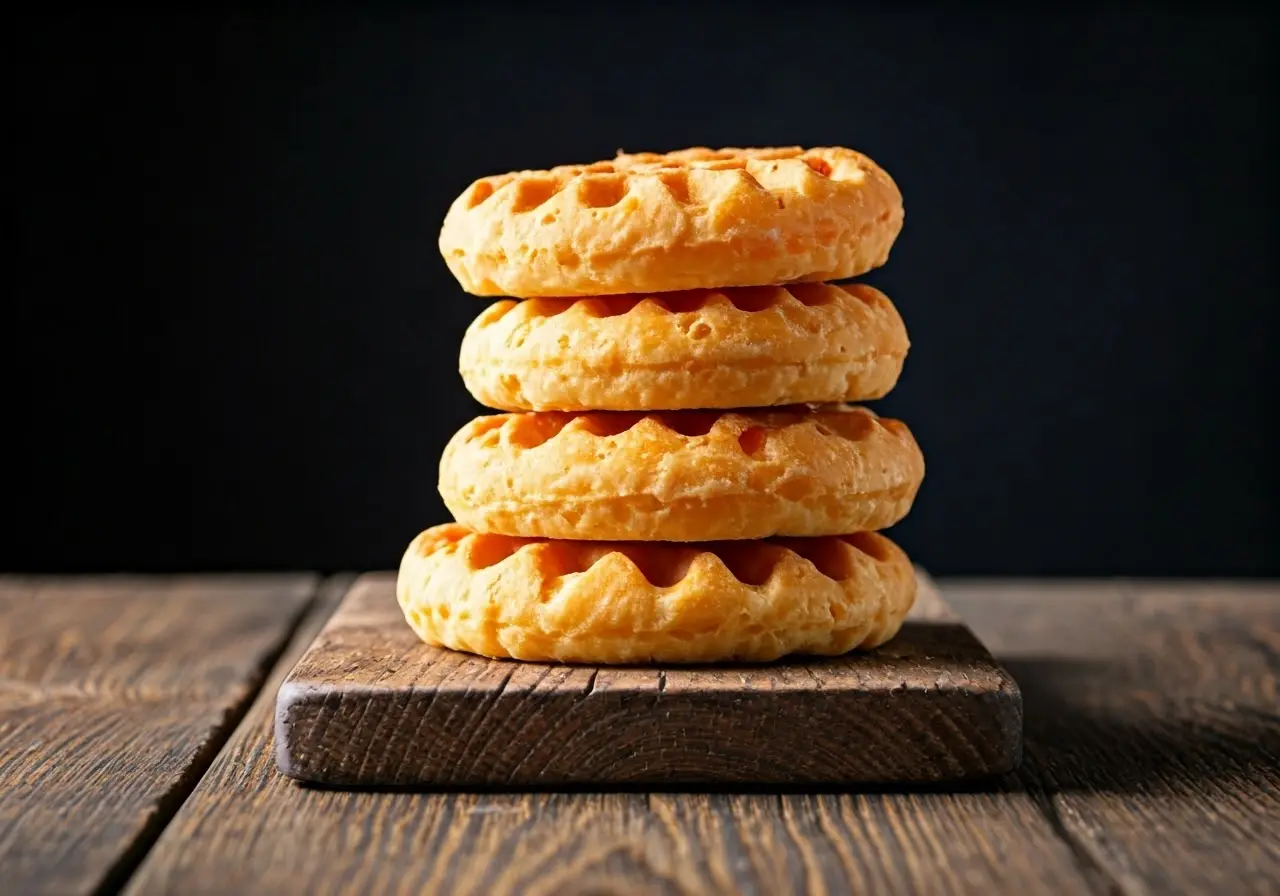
(1152, 724)
(370, 705)
(115, 694)
(249, 829)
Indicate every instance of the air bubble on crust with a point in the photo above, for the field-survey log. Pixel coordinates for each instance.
(696, 329)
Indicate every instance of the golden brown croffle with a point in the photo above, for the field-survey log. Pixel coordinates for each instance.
(731, 348)
(690, 219)
(596, 602)
(681, 475)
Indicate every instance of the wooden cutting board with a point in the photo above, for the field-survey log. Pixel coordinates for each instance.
(368, 705)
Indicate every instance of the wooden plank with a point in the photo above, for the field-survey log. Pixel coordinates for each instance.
(370, 705)
(115, 694)
(249, 829)
(1152, 723)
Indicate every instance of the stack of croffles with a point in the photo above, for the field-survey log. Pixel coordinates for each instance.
(678, 477)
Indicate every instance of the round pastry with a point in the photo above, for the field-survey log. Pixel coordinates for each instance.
(691, 219)
(740, 347)
(681, 475)
(597, 602)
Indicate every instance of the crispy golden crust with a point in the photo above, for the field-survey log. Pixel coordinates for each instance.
(733, 348)
(692, 219)
(596, 602)
(681, 475)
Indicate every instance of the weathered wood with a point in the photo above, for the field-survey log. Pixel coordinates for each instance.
(115, 694)
(370, 705)
(1152, 723)
(249, 829)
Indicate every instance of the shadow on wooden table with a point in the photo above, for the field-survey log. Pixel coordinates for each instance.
(1099, 726)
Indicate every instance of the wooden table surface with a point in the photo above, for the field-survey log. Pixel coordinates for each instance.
(136, 756)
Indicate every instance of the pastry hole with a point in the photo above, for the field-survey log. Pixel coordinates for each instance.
(532, 193)
(606, 425)
(753, 298)
(794, 490)
(532, 430)
(897, 427)
(819, 165)
(549, 218)
(677, 183)
(567, 258)
(829, 555)
(602, 192)
(481, 191)
(874, 546)
(608, 306)
(863, 293)
(459, 253)
(496, 312)
(751, 562)
(853, 425)
(548, 307)
(752, 440)
(685, 301)
(554, 559)
(489, 550)
(443, 538)
(659, 567)
(487, 424)
(812, 294)
(690, 424)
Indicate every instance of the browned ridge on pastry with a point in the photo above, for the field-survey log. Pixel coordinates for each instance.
(597, 602)
(681, 475)
(690, 219)
(731, 348)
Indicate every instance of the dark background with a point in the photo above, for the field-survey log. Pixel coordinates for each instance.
(232, 342)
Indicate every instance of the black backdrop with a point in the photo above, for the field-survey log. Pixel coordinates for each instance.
(232, 342)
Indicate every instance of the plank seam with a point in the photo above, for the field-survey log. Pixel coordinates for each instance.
(169, 803)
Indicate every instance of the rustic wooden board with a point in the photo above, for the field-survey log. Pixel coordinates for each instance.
(115, 695)
(370, 706)
(249, 829)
